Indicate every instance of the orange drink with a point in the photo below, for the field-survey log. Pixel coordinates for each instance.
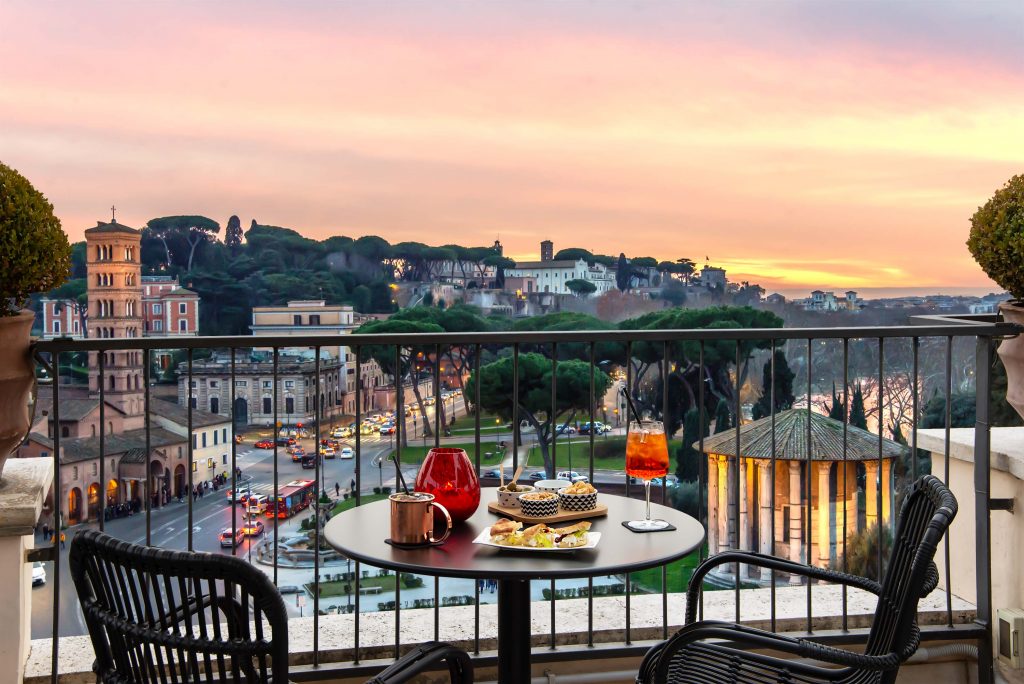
(646, 458)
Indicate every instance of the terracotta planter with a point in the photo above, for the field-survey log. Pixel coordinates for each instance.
(17, 378)
(1011, 352)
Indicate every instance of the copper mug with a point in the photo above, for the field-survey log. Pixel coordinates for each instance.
(412, 520)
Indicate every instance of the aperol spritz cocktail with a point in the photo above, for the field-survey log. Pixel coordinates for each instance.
(647, 458)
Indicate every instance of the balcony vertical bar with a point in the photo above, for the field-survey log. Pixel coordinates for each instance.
(913, 424)
(554, 431)
(948, 414)
(476, 446)
(880, 481)
(316, 512)
(277, 433)
(771, 397)
(741, 488)
(664, 485)
(703, 458)
(625, 412)
(515, 409)
(982, 510)
(102, 357)
(590, 431)
(190, 446)
(357, 353)
(398, 468)
(438, 404)
(809, 480)
(846, 439)
(57, 529)
(147, 482)
(234, 458)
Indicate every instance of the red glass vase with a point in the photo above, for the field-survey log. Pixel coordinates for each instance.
(448, 474)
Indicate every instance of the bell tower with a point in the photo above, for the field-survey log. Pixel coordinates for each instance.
(114, 289)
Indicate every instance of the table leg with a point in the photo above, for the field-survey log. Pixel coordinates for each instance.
(513, 631)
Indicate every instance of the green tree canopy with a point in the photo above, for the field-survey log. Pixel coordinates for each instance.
(580, 287)
(192, 230)
(574, 254)
(858, 417)
(572, 393)
(233, 233)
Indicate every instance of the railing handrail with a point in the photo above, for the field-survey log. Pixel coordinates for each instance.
(964, 329)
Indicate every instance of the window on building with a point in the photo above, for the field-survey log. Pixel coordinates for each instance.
(224, 459)
(241, 383)
(289, 404)
(204, 440)
(182, 308)
(214, 405)
(193, 402)
(267, 406)
(289, 384)
(193, 442)
(157, 309)
(158, 326)
(224, 435)
(296, 319)
(74, 472)
(266, 384)
(216, 437)
(307, 404)
(65, 431)
(56, 326)
(182, 325)
(192, 384)
(314, 319)
(214, 383)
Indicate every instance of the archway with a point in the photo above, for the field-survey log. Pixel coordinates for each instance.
(94, 501)
(74, 506)
(179, 481)
(112, 493)
(157, 484)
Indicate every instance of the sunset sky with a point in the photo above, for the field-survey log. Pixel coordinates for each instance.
(818, 143)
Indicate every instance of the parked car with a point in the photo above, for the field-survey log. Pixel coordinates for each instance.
(599, 428)
(264, 444)
(229, 537)
(252, 528)
(493, 472)
(346, 453)
(38, 574)
(572, 476)
(336, 433)
(564, 429)
(538, 475)
(671, 482)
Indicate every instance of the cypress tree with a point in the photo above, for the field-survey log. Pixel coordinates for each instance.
(723, 418)
(783, 387)
(836, 410)
(687, 456)
(858, 418)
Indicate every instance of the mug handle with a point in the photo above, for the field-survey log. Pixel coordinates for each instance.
(448, 529)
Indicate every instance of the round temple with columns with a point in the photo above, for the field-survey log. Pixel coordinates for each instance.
(816, 505)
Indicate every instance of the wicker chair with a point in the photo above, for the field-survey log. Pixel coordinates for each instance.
(157, 616)
(687, 656)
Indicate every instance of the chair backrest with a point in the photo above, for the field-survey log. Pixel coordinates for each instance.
(927, 512)
(161, 616)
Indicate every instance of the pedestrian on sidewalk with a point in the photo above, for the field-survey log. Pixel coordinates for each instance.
(62, 539)
(337, 490)
(46, 531)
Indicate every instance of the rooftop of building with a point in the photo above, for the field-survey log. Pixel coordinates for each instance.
(112, 227)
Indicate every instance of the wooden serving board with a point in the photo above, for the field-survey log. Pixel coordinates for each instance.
(560, 517)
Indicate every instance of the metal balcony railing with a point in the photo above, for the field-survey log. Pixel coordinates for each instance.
(818, 354)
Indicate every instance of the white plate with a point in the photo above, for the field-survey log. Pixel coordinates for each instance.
(484, 538)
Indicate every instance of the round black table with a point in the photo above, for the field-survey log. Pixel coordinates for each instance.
(359, 533)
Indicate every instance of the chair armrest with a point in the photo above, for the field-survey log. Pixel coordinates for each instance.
(424, 657)
(773, 563)
(756, 638)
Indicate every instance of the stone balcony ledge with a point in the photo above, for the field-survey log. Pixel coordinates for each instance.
(377, 630)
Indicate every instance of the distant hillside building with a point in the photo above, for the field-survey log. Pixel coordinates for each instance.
(167, 308)
(827, 301)
(551, 276)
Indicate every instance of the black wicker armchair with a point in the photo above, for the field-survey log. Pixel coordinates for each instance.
(158, 616)
(688, 656)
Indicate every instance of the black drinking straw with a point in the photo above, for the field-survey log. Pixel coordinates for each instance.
(632, 406)
(401, 479)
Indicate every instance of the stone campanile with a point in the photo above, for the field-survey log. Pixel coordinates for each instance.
(115, 311)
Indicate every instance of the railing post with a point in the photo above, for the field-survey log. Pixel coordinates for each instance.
(982, 477)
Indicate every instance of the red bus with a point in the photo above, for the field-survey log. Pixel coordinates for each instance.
(292, 498)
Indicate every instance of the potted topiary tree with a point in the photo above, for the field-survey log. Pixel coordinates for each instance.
(997, 244)
(34, 257)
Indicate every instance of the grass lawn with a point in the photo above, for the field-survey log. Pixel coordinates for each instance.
(415, 453)
(677, 575)
(468, 423)
(609, 453)
(351, 502)
(338, 588)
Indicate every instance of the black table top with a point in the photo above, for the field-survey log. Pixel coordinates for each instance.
(359, 533)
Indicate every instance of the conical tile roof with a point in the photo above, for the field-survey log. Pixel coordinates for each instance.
(791, 440)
